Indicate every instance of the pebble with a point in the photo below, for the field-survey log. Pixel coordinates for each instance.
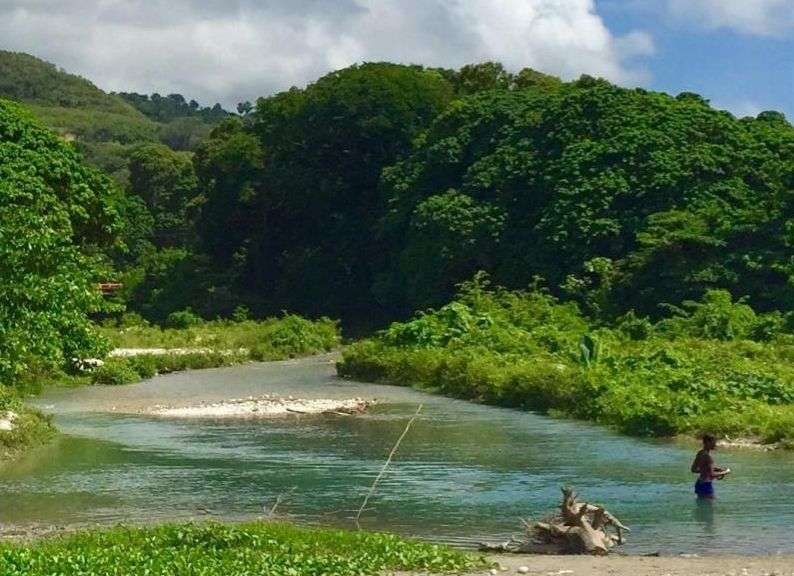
(522, 570)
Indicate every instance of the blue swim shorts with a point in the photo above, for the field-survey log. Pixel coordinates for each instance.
(704, 489)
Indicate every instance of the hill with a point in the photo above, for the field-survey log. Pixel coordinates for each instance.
(104, 126)
(25, 78)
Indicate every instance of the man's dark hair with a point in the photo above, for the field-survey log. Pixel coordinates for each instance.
(709, 439)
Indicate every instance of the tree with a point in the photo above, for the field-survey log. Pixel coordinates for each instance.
(166, 182)
(229, 167)
(245, 108)
(55, 213)
(474, 78)
(317, 200)
(451, 236)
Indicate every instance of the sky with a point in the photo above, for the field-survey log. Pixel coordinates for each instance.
(737, 53)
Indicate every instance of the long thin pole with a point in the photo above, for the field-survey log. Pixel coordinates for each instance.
(386, 465)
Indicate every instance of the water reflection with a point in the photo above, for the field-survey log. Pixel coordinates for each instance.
(704, 514)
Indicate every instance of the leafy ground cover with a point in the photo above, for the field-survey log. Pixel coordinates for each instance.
(197, 344)
(714, 365)
(227, 550)
(269, 339)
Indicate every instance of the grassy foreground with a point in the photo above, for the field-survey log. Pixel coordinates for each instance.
(715, 366)
(226, 550)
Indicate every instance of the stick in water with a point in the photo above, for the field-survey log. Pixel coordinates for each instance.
(386, 465)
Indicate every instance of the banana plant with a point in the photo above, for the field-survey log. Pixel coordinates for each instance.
(589, 351)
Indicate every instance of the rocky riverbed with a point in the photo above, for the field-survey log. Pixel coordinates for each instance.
(264, 407)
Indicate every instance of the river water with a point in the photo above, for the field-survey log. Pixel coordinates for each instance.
(464, 473)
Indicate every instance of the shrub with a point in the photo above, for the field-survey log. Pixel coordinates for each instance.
(183, 319)
(241, 314)
(115, 372)
(527, 350)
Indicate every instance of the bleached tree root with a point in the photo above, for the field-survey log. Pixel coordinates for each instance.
(579, 528)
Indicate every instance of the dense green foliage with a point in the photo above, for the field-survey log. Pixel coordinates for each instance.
(55, 217)
(374, 191)
(221, 550)
(694, 372)
(166, 182)
(298, 188)
(643, 197)
(55, 214)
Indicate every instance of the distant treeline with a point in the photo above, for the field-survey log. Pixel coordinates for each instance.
(167, 108)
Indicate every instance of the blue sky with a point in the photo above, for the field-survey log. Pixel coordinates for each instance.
(744, 68)
(737, 53)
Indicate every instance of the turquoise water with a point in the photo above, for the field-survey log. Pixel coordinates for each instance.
(465, 473)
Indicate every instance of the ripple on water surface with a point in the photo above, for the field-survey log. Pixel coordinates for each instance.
(464, 473)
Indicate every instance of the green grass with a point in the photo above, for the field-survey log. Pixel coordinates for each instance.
(227, 550)
(31, 427)
(215, 344)
(270, 339)
(526, 350)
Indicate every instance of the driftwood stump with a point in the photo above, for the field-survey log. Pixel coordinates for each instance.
(579, 528)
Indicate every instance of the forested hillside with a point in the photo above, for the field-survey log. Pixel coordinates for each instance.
(104, 126)
(376, 190)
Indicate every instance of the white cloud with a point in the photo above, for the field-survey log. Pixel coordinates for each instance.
(759, 17)
(239, 49)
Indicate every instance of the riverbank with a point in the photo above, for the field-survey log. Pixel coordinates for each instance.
(528, 351)
(642, 566)
(142, 351)
(21, 427)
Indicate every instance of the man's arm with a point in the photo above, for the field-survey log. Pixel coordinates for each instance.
(695, 468)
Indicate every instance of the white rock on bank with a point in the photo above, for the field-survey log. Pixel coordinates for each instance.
(7, 421)
(263, 407)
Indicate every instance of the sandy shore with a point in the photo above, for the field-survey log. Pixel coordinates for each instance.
(642, 566)
(264, 407)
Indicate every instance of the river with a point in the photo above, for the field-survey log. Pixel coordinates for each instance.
(464, 473)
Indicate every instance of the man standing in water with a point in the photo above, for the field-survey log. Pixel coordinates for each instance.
(704, 467)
